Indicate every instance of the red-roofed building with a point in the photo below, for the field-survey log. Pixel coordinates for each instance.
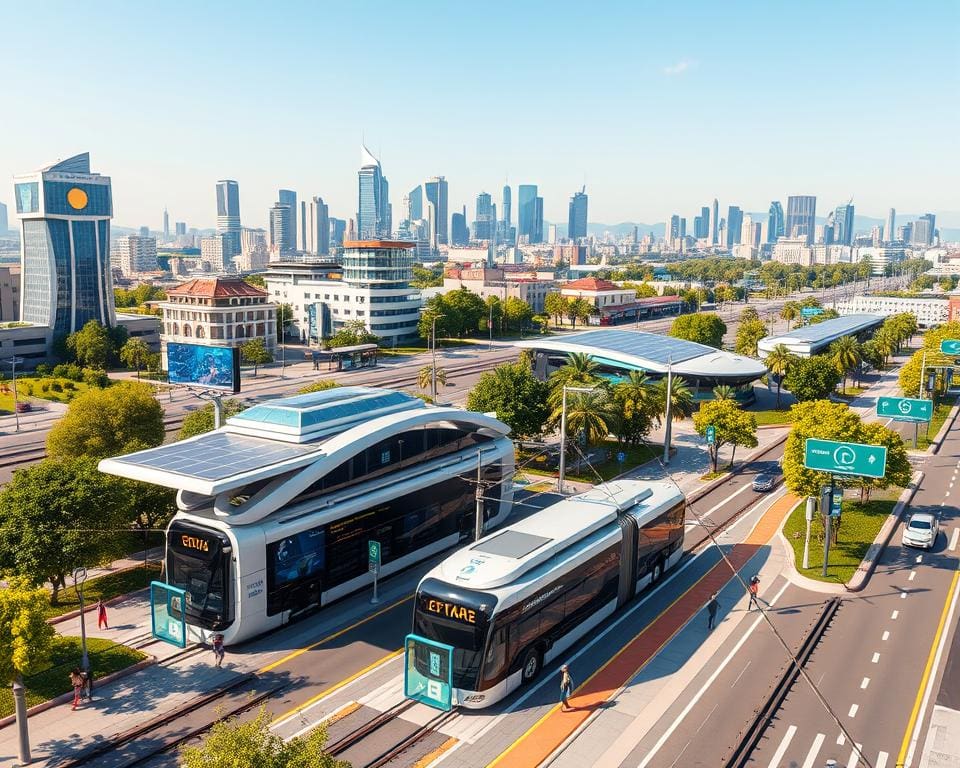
(614, 304)
(219, 312)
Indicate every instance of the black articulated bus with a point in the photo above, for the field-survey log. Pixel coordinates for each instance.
(521, 596)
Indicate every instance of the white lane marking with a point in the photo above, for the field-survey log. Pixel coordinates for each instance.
(912, 576)
(864, 683)
(855, 754)
(782, 749)
(894, 615)
(841, 739)
(876, 658)
(715, 507)
(853, 710)
(741, 673)
(903, 595)
(814, 751)
(953, 539)
(881, 760)
(947, 493)
(885, 635)
(709, 681)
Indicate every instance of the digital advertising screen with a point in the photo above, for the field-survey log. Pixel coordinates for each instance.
(202, 366)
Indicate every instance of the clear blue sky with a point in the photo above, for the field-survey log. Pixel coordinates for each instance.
(657, 107)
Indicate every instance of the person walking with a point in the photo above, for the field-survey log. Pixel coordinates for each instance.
(712, 607)
(566, 686)
(87, 685)
(218, 652)
(753, 589)
(76, 680)
(101, 615)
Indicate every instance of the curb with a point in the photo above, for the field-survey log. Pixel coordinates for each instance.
(112, 601)
(701, 492)
(866, 568)
(934, 446)
(793, 575)
(65, 697)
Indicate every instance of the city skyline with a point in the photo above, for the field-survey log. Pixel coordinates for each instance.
(637, 166)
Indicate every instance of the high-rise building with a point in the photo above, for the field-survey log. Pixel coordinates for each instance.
(734, 225)
(775, 222)
(924, 229)
(228, 213)
(373, 210)
(672, 231)
(715, 222)
(507, 233)
(843, 224)
(485, 224)
(281, 231)
(577, 216)
(214, 252)
(801, 217)
(538, 220)
(166, 225)
(889, 230)
(527, 212)
(253, 241)
(315, 223)
(289, 197)
(180, 228)
(701, 223)
(905, 232)
(144, 231)
(65, 213)
(435, 191)
(134, 254)
(415, 203)
(338, 228)
(505, 204)
(459, 233)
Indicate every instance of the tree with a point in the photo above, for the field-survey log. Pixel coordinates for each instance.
(427, 278)
(732, 427)
(935, 359)
(844, 353)
(637, 405)
(724, 392)
(201, 420)
(57, 515)
(555, 305)
(578, 309)
(135, 354)
(778, 362)
(351, 334)
(749, 313)
(91, 345)
(580, 370)
(255, 351)
(811, 378)
(517, 397)
(682, 403)
(517, 313)
(284, 320)
(256, 280)
(108, 422)
(425, 377)
(232, 742)
(705, 328)
(748, 337)
(790, 312)
(588, 413)
(463, 309)
(494, 316)
(320, 385)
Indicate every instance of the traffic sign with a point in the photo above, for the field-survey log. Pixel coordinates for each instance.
(621, 456)
(845, 458)
(373, 557)
(950, 346)
(813, 311)
(837, 502)
(428, 672)
(711, 435)
(905, 408)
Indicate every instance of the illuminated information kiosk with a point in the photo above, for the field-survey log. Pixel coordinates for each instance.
(428, 672)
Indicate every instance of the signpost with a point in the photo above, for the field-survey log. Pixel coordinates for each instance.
(905, 408)
(811, 311)
(845, 458)
(950, 347)
(621, 457)
(428, 672)
(711, 435)
(373, 566)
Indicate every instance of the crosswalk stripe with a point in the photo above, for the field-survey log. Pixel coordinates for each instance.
(782, 749)
(814, 750)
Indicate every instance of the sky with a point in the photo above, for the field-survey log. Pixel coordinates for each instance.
(656, 107)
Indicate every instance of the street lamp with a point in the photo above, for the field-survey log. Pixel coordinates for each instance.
(563, 432)
(12, 362)
(433, 373)
(668, 424)
(80, 576)
(490, 328)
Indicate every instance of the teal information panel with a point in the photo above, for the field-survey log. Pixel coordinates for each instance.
(428, 672)
(845, 458)
(167, 618)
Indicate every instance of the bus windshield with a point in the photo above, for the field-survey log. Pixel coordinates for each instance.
(198, 562)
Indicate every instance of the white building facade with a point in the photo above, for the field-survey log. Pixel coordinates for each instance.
(134, 254)
(929, 311)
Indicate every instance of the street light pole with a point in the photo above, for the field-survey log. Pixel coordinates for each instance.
(433, 373)
(668, 429)
(490, 328)
(563, 433)
(79, 577)
(12, 362)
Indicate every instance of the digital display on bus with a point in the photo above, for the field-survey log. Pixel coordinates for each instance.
(204, 366)
(296, 557)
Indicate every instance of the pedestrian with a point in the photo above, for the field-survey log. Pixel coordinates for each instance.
(218, 652)
(566, 686)
(76, 680)
(754, 588)
(87, 685)
(712, 607)
(101, 615)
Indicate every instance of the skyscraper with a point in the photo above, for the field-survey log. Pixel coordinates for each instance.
(459, 233)
(715, 222)
(527, 212)
(889, 230)
(577, 215)
(537, 220)
(435, 190)
(672, 231)
(373, 211)
(843, 224)
(180, 228)
(228, 213)
(289, 197)
(280, 230)
(315, 223)
(338, 228)
(801, 217)
(485, 224)
(507, 233)
(775, 222)
(415, 203)
(923, 229)
(734, 225)
(506, 203)
(166, 225)
(65, 213)
(701, 223)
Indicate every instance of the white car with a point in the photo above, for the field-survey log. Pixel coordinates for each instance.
(921, 531)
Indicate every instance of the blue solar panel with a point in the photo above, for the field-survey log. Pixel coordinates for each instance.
(649, 346)
(217, 456)
(828, 329)
(317, 407)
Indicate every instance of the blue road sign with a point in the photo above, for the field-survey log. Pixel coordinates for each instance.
(950, 347)
(428, 672)
(845, 458)
(905, 408)
(621, 456)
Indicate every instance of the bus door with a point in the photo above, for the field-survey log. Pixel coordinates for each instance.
(628, 559)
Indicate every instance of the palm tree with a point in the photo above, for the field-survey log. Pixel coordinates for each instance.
(588, 413)
(790, 312)
(845, 355)
(681, 403)
(885, 343)
(580, 370)
(425, 377)
(778, 362)
(724, 392)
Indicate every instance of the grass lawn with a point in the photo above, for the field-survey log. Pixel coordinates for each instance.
(859, 527)
(30, 388)
(106, 658)
(772, 416)
(606, 469)
(104, 587)
(940, 414)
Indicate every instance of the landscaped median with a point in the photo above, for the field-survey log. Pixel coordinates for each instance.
(106, 587)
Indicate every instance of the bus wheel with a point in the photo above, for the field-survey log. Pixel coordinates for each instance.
(531, 665)
(657, 572)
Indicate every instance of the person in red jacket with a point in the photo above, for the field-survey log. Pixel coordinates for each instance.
(101, 615)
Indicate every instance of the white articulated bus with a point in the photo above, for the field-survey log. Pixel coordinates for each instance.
(515, 600)
(276, 509)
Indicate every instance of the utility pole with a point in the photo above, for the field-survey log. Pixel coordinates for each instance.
(667, 416)
(478, 513)
(433, 374)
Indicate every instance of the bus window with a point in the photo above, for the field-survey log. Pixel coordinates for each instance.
(494, 665)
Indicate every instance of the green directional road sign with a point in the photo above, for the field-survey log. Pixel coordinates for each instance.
(845, 458)
(905, 408)
(373, 556)
(950, 346)
(711, 435)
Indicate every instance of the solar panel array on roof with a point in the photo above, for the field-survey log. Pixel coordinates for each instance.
(649, 346)
(217, 455)
(318, 407)
(828, 328)
(515, 544)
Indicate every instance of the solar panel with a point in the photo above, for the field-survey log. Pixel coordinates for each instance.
(515, 544)
(332, 405)
(217, 456)
(838, 326)
(649, 346)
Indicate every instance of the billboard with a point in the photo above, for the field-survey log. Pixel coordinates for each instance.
(202, 366)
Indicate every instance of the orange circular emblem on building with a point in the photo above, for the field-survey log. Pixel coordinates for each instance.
(77, 198)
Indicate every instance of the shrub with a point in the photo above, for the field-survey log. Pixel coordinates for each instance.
(43, 370)
(68, 371)
(56, 386)
(93, 377)
(69, 385)
(44, 386)
(26, 388)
